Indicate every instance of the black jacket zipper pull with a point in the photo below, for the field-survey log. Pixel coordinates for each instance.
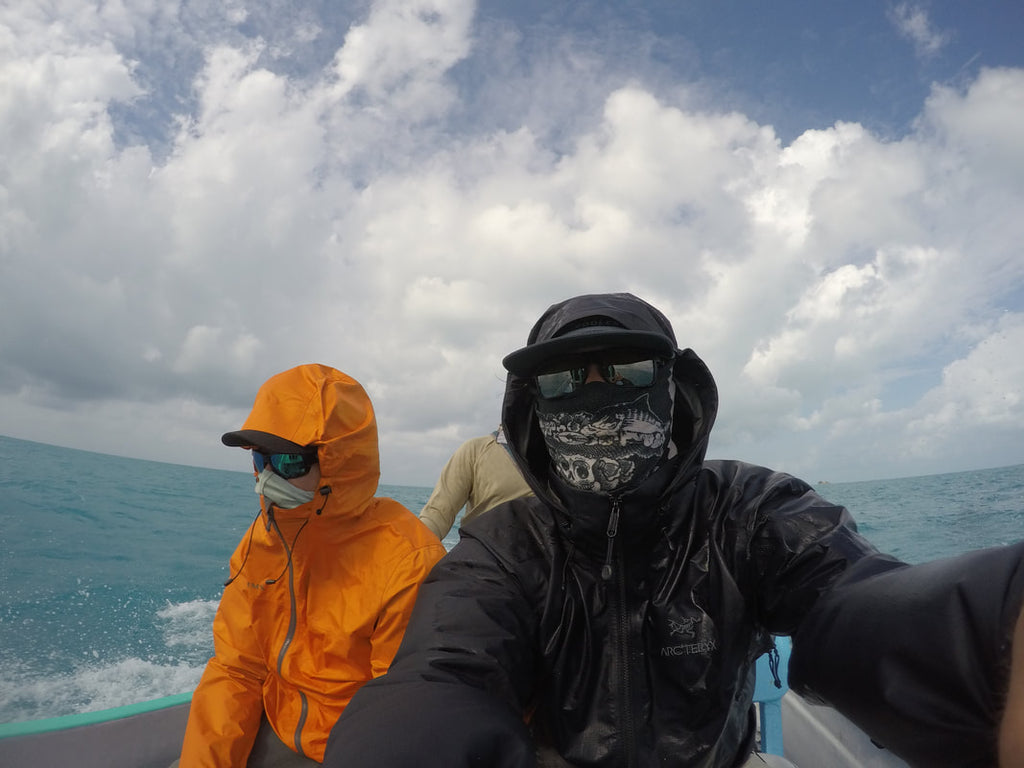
(613, 529)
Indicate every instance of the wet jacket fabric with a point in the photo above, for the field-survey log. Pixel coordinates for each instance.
(622, 631)
(320, 595)
(480, 475)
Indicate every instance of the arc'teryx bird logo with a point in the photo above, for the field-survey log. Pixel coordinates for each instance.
(686, 631)
(684, 628)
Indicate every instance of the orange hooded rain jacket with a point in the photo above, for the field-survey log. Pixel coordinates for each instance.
(320, 594)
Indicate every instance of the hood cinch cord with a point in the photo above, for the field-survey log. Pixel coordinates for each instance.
(773, 665)
(248, 548)
(325, 492)
(613, 529)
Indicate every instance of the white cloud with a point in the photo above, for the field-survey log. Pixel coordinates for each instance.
(984, 388)
(913, 23)
(979, 131)
(352, 216)
(405, 48)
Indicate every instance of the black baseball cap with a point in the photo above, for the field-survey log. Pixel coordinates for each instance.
(264, 441)
(592, 334)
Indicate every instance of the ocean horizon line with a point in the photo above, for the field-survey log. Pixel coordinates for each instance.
(816, 482)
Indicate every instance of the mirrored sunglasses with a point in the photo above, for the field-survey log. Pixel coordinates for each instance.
(565, 383)
(287, 465)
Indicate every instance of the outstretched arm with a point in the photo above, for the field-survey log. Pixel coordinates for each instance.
(456, 691)
(917, 655)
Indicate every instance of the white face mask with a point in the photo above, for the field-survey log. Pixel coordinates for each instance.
(280, 492)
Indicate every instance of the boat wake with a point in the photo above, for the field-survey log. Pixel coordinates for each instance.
(95, 683)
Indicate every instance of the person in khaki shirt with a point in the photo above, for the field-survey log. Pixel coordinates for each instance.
(480, 475)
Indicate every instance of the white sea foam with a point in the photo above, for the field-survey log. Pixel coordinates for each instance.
(134, 680)
(188, 624)
(90, 688)
(93, 684)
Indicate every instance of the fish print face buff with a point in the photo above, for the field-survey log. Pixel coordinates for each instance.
(608, 438)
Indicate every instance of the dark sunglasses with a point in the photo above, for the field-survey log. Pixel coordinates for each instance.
(567, 382)
(287, 465)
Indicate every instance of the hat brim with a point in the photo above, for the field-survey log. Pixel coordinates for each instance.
(530, 359)
(265, 441)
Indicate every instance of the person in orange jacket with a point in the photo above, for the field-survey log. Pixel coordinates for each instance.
(321, 586)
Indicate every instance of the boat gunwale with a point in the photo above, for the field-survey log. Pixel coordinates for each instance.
(81, 719)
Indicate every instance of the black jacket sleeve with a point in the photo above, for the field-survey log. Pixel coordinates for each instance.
(420, 723)
(456, 692)
(801, 544)
(917, 656)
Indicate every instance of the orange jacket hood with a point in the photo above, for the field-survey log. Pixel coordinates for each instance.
(316, 405)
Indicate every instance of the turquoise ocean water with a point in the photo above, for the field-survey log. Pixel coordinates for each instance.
(111, 568)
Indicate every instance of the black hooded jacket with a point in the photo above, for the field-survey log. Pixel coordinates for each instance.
(622, 630)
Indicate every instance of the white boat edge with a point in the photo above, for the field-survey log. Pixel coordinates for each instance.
(819, 737)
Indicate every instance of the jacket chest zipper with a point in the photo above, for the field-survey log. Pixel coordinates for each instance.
(626, 676)
(621, 619)
(292, 622)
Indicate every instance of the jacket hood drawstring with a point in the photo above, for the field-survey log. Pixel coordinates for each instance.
(248, 549)
(324, 491)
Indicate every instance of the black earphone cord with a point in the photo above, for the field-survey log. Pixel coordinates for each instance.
(325, 492)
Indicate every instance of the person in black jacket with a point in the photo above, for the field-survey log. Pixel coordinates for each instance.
(613, 619)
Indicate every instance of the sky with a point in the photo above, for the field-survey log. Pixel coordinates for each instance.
(826, 200)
